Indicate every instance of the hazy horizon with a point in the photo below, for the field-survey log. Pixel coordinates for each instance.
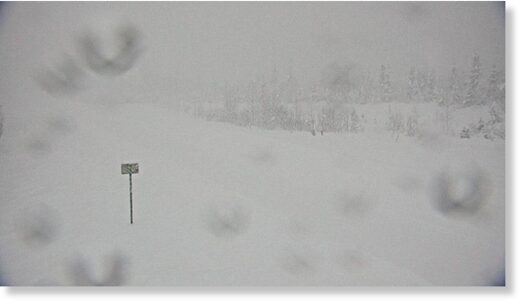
(191, 46)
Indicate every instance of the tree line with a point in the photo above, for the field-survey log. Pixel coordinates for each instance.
(280, 102)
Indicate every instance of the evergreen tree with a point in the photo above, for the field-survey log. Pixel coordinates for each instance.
(422, 81)
(355, 122)
(412, 123)
(453, 88)
(472, 86)
(496, 97)
(451, 98)
(385, 85)
(493, 88)
(431, 87)
(252, 98)
(413, 89)
(231, 101)
(367, 90)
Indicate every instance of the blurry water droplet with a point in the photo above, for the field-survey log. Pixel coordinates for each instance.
(65, 79)
(263, 157)
(355, 203)
(113, 273)
(38, 146)
(227, 220)
(299, 263)
(126, 43)
(460, 193)
(40, 226)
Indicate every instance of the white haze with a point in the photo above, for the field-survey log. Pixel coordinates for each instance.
(195, 45)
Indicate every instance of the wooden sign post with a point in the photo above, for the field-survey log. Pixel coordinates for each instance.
(129, 169)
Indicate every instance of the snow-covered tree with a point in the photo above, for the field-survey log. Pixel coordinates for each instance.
(472, 86)
(367, 90)
(493, 90)
(355, 122)
(496, 95)
(385, 85)
(498, 107)
(450, 98)
(395, 122)
(252, 100)
(290, 97)
(422, 86)
(337, 80)
(453, 92)
(231, 101)
(430, 93)
(412, 123)
(274, 86)
(413, 89)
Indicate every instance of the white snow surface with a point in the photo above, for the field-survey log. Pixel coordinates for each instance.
(331, 210)
(222, 205)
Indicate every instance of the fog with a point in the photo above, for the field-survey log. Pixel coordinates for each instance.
(195, 45)
(271, 144)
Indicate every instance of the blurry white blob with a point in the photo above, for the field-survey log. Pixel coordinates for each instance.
(38, 146)
(430, 139)
(111, 47)
(263, 156)
(299, 262)
(461, 192)
(355, 203)
(40, 226)
(64, 78)
(227, 220)
(113, 273)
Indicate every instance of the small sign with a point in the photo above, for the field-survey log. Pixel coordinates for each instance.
(129, 168)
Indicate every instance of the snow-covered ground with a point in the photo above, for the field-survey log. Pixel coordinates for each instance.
(218, 204)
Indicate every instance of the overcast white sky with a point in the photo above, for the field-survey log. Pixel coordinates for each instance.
(199, 44)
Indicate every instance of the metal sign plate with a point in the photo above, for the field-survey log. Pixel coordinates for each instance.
(130, 168)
